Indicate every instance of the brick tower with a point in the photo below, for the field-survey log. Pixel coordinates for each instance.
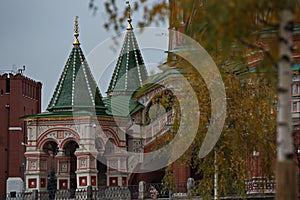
(19, 96)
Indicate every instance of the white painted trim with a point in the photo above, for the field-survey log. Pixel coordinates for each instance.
(15, 128)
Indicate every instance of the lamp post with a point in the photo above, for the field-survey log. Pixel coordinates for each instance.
(256, 155)
(298, 163)
(298, 156)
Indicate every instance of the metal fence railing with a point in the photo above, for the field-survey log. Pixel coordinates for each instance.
(102, 192)
(150, 191)
(258, 185)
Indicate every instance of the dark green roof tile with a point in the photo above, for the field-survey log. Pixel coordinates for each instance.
(121, 105)
(76, 87)
(130, 71)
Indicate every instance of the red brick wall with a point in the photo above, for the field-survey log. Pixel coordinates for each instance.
(24, 98)
(181, 173)
(150, 177)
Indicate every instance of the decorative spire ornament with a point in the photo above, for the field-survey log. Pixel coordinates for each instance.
(129, 26)
(76, 32)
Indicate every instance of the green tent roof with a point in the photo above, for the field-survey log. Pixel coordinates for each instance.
(122, 105)
(76, 87)
(130, 71)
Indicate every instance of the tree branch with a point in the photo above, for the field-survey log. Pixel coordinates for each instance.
(253, 46)
(266, 23)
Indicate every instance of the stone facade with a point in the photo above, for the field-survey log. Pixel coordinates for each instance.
(77, 165)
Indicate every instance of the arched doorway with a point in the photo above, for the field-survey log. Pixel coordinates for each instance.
(102, 168)
(51, 149)
(69, 149)
(101, 163)
(106, 153)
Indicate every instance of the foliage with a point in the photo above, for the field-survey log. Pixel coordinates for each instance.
(161, 103)
(233, 32)
(153, 11)
(250, 126)
(230, 25)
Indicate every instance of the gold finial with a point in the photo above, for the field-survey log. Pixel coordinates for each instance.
(129, 26)
(76, 32)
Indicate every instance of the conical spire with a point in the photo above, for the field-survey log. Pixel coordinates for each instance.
(130, 72)
(76, 87)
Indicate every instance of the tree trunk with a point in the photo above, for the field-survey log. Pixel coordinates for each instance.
(286, 187)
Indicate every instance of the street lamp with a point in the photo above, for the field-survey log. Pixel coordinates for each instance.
(256, 155)
(298, 164)
(255, 179)
(298, 156)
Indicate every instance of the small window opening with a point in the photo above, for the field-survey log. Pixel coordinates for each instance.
(7, 85)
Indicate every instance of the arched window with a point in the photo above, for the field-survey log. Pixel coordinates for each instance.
(109, 147)
(296, 89)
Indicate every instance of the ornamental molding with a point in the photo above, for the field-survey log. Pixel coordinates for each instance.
(57, 134)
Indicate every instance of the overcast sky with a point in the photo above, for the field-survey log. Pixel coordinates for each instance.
(39, 35)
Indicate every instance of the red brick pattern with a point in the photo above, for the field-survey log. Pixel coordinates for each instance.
(22, 98)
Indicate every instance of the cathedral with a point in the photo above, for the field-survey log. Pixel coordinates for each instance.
(85, 139)
(88, 140)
